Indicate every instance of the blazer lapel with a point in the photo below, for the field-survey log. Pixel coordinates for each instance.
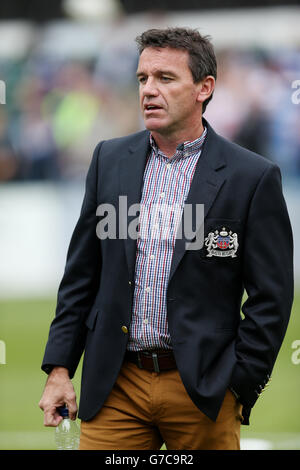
(206, 184)
(132, 167)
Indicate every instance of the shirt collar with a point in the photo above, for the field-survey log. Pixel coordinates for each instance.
(186, 149)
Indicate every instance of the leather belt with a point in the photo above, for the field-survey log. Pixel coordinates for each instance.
(153, 360)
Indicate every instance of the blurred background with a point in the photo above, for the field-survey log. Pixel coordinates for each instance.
(67, 81)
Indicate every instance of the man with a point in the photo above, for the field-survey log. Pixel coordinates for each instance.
(168, 357)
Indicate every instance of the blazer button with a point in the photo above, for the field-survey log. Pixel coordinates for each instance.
(124, 329)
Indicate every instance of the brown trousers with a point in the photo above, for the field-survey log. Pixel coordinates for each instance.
(146, 409)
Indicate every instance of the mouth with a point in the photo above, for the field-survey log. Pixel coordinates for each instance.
(150, 108)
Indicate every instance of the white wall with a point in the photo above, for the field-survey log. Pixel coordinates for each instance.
(36, 223)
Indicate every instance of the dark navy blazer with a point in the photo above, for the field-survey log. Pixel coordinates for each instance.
(215, 346)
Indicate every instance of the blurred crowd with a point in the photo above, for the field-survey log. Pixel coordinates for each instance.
(57, 109)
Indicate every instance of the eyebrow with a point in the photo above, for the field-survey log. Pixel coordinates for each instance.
(158, 72)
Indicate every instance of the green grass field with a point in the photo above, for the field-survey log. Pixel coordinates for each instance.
(24, 326)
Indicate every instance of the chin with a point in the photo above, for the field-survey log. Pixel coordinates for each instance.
(154, 125)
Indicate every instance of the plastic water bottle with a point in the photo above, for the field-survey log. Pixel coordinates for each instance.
(67, 432)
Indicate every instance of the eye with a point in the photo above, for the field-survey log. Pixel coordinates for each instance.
(142, 80)
(164, 78)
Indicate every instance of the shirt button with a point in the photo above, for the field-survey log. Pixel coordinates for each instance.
(147, 289)
(152, 257)
(124, 329)
(168, 166)
(162, 195)
(145, 321)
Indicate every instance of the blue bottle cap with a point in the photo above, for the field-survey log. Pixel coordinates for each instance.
(63, 411)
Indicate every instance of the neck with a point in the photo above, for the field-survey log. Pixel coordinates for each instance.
(168, 143)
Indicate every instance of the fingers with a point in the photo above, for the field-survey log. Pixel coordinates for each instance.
(52, 417)
(70, 402)
(58, 393)
(72, 407)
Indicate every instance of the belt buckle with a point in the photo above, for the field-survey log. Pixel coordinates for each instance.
(155, 362)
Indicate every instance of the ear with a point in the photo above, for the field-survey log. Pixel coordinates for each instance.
(205, 88)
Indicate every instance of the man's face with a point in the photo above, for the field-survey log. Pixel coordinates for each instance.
(168, 94)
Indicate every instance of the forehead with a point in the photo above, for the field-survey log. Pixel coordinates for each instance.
(163, 58)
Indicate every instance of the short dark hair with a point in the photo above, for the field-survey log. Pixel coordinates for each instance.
(202, 59)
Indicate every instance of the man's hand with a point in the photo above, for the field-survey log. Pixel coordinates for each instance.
(58, 392)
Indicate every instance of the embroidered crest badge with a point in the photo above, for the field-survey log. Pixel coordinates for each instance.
(222, 244)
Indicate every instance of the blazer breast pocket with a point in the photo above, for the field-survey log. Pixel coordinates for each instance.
(222, 240)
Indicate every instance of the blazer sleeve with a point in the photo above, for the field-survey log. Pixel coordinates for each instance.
(79, 285)
(268, 281)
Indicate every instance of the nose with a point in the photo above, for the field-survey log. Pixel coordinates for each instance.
(149, 88)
